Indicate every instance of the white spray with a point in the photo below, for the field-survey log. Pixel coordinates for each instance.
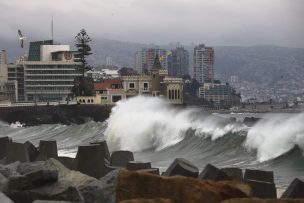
(142, 123)
(276, 135)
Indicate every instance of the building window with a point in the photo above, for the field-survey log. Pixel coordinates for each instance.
(92, 100)
(88, 101)
(132, 85)
(116, 98)
(104, 98)
(146, 86)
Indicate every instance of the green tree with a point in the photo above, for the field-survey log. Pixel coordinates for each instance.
(83, 86)
(82, 41)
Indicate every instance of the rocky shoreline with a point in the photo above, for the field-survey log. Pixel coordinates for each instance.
(37, 174)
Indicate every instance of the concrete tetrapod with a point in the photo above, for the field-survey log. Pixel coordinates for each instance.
(47, 149)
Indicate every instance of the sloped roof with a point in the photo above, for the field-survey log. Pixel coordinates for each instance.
(106, 84)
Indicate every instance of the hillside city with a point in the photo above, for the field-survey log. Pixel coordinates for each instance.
(193, 75)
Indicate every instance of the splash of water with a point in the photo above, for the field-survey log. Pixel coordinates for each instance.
(142, 123)
(276, 135)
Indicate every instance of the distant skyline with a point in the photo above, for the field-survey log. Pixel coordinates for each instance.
(216, 22)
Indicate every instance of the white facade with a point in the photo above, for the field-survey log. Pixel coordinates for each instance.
(47, 50)
(103, 74)
(3, 66)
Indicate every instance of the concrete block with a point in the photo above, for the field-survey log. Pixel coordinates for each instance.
(121, 158)
(137, 165)
(16, 152)
(31, 150)
(5, 199)
(66, 161)
(3, 146)
(182, 167)
(295, 190)
(262, 189)
(234, 173)
(90, 160)
(210, 172)
(47, 149)
(104, 148)
(264, 176)
(154, 171)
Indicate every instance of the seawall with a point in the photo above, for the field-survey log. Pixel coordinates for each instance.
(63, 114)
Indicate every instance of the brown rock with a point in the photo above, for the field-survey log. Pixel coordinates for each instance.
(257, 200)
(158, 200)
(132, 185)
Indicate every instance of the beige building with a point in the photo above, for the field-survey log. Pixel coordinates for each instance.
(157, 83)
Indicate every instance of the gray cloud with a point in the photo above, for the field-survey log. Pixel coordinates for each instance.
(216, 22)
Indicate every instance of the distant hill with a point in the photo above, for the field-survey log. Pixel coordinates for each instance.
(255, 63)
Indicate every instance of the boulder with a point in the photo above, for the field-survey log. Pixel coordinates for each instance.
(234, 173)
(60, 190)
(17, 152)
(102, 190)
(49, 201)
(3, 181)
(4, 141)
(154, 171)
(262, 189)
(294, 190)
(31, 151)
(105, 148)
(121, 158)
(210, 172)
(4, 199)
(179, 189)
(158, 200)
(137, 165)
(10, 169)
(182, 167)
(65, 189)
(31, 180)
(91, 165)
(47, 149)
(264, 176)
(257, 200)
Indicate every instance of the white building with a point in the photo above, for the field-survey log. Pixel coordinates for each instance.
(103, 74)
(52, 77)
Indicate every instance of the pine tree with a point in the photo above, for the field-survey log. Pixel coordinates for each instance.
(82, 41)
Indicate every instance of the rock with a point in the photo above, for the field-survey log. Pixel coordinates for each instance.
(105, 148)
(3, 181)
(4, 199)
(102, 190)
(294, 190)
(91, 165)
(210, 172)
(158, 200)
(31, 150)
(257, 200)
(178, 188)
(137, 165)
(47, 201)
(16, 152)
(250, 121)
(121, 158)
(31, 180)
(4, 141)
(234, 173)
(182, 167)
(66, 161)
(47, 149)
(262, 189)
(10, 169)
(154, 171)
(60, 190)
(264, 176)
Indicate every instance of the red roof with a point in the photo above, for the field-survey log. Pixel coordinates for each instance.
(107, 84)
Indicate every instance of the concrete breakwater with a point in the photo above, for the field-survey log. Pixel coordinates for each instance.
(63, 114)
(32, 174)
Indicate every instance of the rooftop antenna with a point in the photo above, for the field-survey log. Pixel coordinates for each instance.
(52, 29)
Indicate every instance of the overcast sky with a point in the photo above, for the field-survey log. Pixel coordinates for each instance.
(213, 22)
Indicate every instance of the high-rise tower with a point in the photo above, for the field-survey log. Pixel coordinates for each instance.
(203, 66)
